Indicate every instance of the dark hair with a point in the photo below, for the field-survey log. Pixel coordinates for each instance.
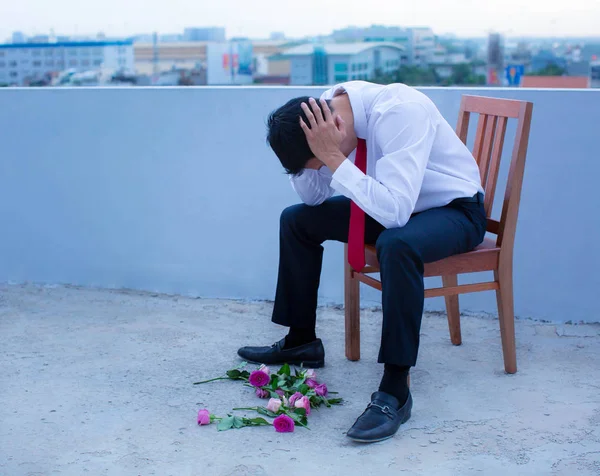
(286, 137)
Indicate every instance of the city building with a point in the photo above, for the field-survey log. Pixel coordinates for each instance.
(153, 58)
(212, 33)
(421, 45)
(556, 82)
(495, 59)
(332, 63)
(595, 74)
(18, 37)
(23, 63)
(418, 43)
(229, 63)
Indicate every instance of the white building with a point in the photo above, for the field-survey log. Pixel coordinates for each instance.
(418, 42)
(211, 33)
(422, 45)
(333, 63)
(22, 63)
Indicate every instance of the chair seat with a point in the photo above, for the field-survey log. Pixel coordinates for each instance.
(483, 258)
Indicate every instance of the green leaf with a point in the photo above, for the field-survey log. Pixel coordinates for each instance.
(234, 374)
(264, 411)
(301, 420)
(303, 389)
(316, 400)
(225, 424)
(238, 422)
(256, 421)
(300, 411)
(335, 401)
(285, 370)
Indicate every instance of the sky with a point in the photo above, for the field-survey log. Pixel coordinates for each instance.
(297, 18)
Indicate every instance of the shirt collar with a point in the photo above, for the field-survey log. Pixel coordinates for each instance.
(358, 108)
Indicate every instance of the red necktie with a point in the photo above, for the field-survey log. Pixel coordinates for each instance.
(356, 232)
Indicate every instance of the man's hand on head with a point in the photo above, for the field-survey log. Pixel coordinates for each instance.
(324, 133)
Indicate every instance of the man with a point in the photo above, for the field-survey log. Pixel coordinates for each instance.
(389, 153)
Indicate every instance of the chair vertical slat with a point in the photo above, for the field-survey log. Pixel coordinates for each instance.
(462, 128)
(477, 148)
(492, 177)
(512, 195)
(486, 148)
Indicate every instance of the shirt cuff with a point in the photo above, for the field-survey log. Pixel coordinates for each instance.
(347, 177)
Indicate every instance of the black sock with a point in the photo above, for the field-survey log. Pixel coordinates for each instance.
(299, 336)
(395, 382)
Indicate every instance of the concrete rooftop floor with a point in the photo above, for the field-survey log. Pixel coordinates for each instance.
(100, 382)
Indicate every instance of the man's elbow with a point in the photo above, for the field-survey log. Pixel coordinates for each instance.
(400, 217)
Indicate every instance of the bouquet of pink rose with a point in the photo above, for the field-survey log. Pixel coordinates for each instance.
(291, 398)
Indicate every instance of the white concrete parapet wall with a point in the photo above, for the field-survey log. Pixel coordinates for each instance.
(175, 190)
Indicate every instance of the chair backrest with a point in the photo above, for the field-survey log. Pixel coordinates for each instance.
(489, 142)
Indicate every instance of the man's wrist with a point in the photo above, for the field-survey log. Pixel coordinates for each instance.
(334, 160)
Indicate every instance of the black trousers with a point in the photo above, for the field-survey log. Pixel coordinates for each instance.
(428, 236)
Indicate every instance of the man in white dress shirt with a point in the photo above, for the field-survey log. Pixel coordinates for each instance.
(421, 193)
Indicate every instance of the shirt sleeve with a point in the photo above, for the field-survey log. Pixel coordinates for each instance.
(313, 186)
(405, 135)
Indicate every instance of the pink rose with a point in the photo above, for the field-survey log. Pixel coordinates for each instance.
(303, 402)
(311, 383)
(321, 390)
(283, 424)
(274, 405)
(203, 417)
(262, 393)
(295, 397)
(310, 373)
(265, 369)
(259, 379)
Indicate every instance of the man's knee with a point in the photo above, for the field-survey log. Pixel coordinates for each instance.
(294, 215)
(392, 244)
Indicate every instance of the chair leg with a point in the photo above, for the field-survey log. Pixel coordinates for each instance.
(351, 311)
(452, 310)
(506, 316)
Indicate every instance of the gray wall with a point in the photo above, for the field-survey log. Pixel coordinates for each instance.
(174, 190)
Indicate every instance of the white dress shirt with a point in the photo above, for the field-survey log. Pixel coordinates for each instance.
(415, 160)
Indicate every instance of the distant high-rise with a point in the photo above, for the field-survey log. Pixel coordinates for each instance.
(18, 37)
(495, 58)
(277, 35)
(213, 33)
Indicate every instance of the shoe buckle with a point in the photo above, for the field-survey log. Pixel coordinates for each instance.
(385, 409)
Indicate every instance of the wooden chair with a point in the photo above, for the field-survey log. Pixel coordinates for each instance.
(493, 254)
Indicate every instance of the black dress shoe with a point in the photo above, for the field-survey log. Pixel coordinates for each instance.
(311, 355)
(381, 419)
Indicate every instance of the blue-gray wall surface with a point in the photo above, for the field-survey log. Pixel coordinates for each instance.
(174, 190)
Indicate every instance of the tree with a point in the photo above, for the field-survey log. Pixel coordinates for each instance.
(552, 69)
(410, 75)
